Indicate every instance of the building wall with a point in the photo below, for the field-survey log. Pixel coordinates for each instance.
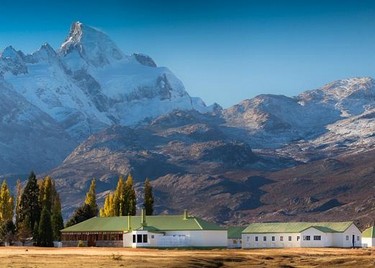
(203, 238)
(368, 242)
(345, 239)
(313, 235)
(281, 240)
(234, 243)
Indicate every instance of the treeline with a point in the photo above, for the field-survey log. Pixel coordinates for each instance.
(35, 212)
(121, 202)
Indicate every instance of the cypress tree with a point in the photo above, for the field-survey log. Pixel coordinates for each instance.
(57, 219)
(29, 205)
(45, 238)
(148, 200)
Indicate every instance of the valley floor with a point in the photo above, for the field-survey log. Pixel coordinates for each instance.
(119, 257)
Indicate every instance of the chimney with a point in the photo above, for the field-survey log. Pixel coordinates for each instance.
(129, 222)
(143, 217)
(186, 216)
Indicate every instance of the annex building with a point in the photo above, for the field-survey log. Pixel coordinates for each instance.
(301, 234)
(368, 237)
(145, 231)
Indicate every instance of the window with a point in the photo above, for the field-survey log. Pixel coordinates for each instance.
(357, 237)
(306, 237)
(139, 238)
(144, 238)
(273, 238)
(152, 237)
(134, 239)
(317, 237)
(347, 238)
(289, 238)
(256, 238)
(281, 238)
(264, 238)
(235, 242)
(298, 238)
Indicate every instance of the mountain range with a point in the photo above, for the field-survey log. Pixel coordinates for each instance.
(87, 110)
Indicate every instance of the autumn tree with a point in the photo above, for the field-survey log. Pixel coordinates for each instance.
(88, 209)
(148, 198)
(108, 207)
(18, 202)
(6, 203)
(130, 197)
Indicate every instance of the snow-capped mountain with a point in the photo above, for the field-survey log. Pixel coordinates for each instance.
(273, 121)
(89, 84)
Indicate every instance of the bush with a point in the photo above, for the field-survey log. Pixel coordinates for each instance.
(81, 244)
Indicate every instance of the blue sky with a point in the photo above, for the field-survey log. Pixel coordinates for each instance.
(223, 51)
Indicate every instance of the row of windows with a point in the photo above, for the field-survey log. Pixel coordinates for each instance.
(94, 237)
(140, 238)
(281, 238)
(347, 238)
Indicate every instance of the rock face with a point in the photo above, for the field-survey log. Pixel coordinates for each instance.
(89, 84)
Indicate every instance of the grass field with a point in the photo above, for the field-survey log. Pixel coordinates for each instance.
(31, 257)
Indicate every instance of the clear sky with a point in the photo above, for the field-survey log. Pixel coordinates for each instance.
(224, 51)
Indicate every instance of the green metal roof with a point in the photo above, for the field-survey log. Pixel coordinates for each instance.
(369, 232)
(154, 223)
(235, 232)
(297, 227)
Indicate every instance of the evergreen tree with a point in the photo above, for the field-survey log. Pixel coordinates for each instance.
(130, 197)
(45, 237)
(81, 214)
(148, 203)
(29, 205)
(7, 231)
(6, 203)
(56, 218)
(91, 198)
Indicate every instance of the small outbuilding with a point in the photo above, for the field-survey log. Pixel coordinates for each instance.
(368, 237)
(146, 231)
(301, 234)
(235, 236)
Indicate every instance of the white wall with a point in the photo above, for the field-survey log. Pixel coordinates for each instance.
(345, 239)
(326, 238)
(234, 243)
(368, 242)
(249, 240)
(179, 239)
(203, 238)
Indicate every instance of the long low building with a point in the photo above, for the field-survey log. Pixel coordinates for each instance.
(145, 231)
(301, 234)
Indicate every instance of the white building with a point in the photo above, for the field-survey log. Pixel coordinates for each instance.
(146, 231)
(368, 237)
(301, 234)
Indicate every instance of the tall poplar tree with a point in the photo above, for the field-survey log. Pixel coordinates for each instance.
(91, 198)
(6, 203)
(148, 198)
(18, 201)
(130, 197)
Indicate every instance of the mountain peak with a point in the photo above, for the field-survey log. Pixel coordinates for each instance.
(92, 45)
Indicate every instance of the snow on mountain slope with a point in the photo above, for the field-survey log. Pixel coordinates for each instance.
(274, 121)
(89, 84)
(29, 138)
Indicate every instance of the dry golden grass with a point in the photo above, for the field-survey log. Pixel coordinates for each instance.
(32, 257)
